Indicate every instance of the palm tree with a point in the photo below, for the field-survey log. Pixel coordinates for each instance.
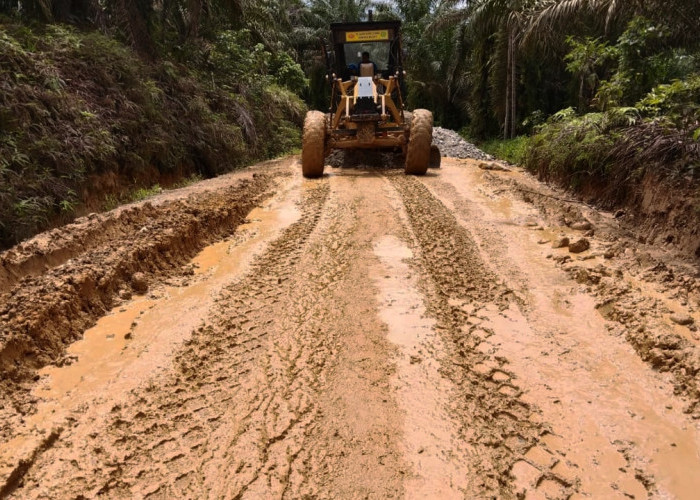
(494, 28)
(680, 16)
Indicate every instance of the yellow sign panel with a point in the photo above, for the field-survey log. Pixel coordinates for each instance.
(366, 36)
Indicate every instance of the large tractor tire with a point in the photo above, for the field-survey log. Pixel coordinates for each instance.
(419, 140)
(435, 157)
(313, 144)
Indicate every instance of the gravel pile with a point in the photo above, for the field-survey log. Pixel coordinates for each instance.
(451, 144)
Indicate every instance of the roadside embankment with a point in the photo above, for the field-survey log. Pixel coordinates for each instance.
(85, 122)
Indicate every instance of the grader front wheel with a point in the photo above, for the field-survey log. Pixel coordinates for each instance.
(313, 144)
(419, 140)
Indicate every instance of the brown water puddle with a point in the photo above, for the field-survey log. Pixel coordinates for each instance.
(136, 339)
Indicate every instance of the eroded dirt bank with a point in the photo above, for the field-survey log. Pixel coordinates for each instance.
(377, 336)
(57, 284)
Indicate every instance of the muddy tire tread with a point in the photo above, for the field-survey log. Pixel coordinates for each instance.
(313, 144)
(420, 138)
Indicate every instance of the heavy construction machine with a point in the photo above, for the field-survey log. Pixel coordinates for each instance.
(366, 75)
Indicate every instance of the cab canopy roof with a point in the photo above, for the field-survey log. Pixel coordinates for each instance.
(365, 32)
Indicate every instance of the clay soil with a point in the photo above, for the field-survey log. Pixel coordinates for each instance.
(363, 335)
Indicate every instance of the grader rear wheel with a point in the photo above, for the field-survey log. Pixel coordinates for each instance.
(419, 140)
(313, 144)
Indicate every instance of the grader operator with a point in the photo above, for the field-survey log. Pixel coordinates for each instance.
(365, 71)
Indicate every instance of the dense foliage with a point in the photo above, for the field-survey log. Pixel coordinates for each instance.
(607, 89)
(638, 112)
(85, 122)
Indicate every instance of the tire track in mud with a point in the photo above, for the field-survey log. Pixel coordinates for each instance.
(508, 456)
(572, 364)
(254, 406)
(596, 465)
(285, 389)
(185, 432)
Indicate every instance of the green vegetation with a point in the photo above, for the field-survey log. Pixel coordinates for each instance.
(85, 121)
(143, 193)
(99, 99)
(642, 118)
(501, 67)
(511, 150)
(607, 91)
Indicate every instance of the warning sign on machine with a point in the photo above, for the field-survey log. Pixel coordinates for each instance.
(366, 36)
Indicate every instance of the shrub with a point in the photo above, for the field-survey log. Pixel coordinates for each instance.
(613, 150)
(572, 150)
(679, 101)
(511, 150)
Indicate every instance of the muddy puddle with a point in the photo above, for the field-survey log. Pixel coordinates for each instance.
(138, 337)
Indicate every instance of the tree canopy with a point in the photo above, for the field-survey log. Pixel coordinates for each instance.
(495, 66)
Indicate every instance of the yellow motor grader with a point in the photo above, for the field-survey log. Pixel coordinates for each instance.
(365, 71)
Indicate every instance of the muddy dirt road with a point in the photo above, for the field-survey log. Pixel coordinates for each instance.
(365, 335)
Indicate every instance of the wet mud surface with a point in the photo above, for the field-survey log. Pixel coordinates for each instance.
(364, 335)
(41, 314)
